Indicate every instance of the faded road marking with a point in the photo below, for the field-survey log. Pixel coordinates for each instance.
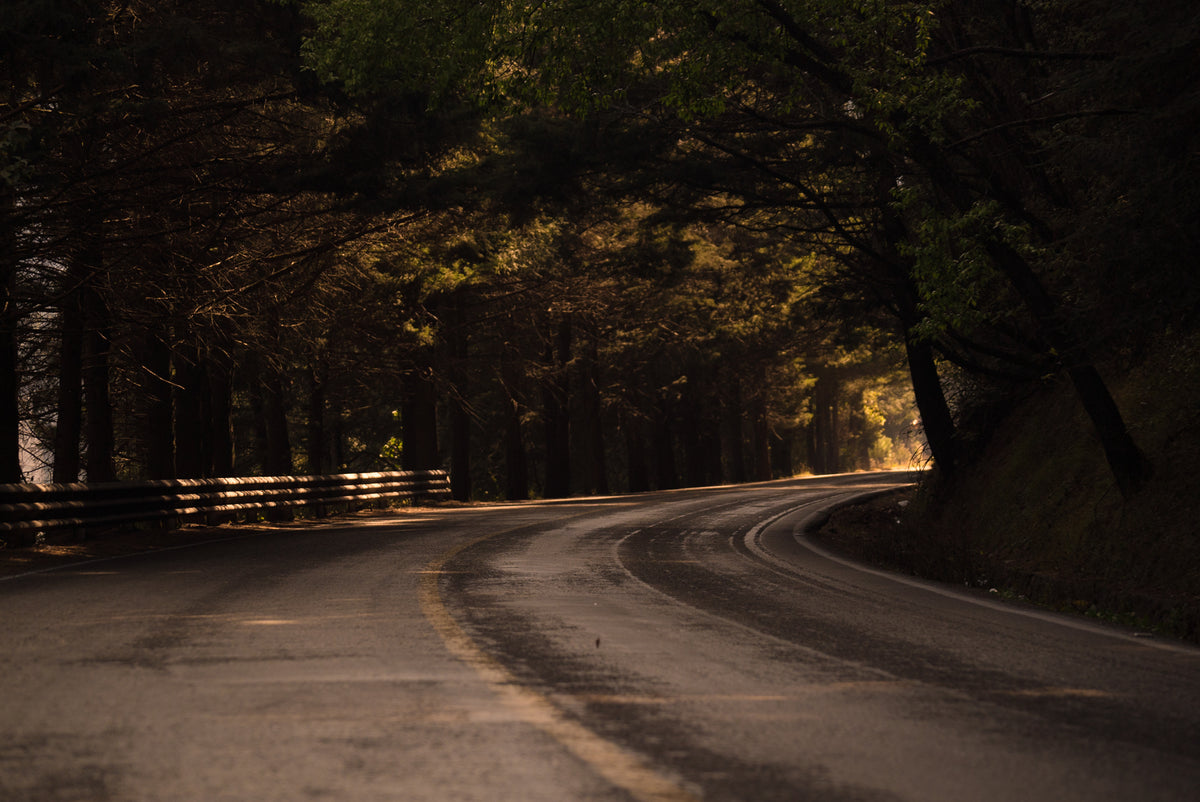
(620, 767)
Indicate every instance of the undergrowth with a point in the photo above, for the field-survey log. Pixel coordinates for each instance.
(1038, 517)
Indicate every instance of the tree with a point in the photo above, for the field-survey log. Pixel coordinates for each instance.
(887, 74)
(167, 209)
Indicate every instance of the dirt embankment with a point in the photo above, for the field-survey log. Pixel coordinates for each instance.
(1037, 515)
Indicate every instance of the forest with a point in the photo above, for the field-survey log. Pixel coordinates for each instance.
(568, 247)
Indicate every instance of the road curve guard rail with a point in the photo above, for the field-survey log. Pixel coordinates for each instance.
(30, 510)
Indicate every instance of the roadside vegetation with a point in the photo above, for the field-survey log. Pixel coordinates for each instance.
(1034, 519)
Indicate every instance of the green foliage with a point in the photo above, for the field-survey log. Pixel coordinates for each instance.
(429, 51)
(392, 453)
(697, 191)
(956, 278)
(884, 47)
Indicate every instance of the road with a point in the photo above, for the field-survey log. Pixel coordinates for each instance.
(668, 646)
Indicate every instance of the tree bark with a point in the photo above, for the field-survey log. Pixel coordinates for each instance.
(460, 451)
(337, 441)
(192, 456)
(418, 420)
(825, 429)
(257, 398)
(278, 442)
(556, 412)
(734, 443)
(279, 445)
(220, 422)
(315, 442)
(782, 464)
(693, 449)
(98, 432)
(1129, 467)
(635, 451)
(460, 418)
(858, 437)
(936, 420)
(761, 433)
(157, 435)
(68, 420)
(10, 408)
(665, 472)
(516, 464)
(593, 460)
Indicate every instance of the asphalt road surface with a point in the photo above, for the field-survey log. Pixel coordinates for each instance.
(667, 646)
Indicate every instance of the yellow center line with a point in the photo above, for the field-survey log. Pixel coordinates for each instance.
(619, 766)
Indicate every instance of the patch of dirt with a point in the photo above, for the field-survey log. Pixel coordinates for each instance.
(876, 532)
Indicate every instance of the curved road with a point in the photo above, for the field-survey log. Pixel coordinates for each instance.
(667, 646)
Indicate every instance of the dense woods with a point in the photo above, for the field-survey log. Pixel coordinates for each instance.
(567, 247)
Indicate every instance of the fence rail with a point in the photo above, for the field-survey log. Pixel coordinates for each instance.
(29, 509)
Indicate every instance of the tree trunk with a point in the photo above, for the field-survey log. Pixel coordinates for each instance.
(460, 451)
(337, 438)
(418, 419)
(10, 408)
(761, 433)
(693, 449)
(593, 460)
(257, 396)
(555, 406)
(101, 461)
(460, 418)
(666, 474)
(278, 457)
(734, 443)
(279, 445)
(635, 450)
(782, 464)
(220, 422)
(192, 456)
(936, 420)
(516, 464)
(1128, 465)
(315, 442)
(68, 423)
(157, 435)
(858, 438)
(825, 443)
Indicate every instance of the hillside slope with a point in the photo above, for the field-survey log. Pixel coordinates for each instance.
(1038, 515)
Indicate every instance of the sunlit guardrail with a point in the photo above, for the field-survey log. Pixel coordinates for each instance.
(26, 510)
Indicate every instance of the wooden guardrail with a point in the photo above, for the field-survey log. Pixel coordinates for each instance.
(27, 510)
